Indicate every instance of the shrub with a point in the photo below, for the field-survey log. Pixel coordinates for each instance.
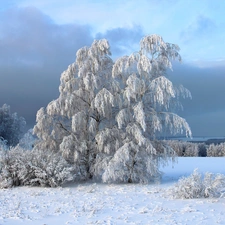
(35, 168)
(196, 187)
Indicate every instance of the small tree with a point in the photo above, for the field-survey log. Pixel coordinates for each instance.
(11, 126)
(108, 115)
(28, 140)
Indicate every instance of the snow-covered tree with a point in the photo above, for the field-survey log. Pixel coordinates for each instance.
(185, 148)
(28, 140)
(84, 108)
(11, 126)
(147, 98)
(216, 150)
(108, 115)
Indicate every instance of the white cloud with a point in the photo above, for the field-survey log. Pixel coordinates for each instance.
(216, 63)
(203, 27)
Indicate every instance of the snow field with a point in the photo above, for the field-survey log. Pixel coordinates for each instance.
(112, 204)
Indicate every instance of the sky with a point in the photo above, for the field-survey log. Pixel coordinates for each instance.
(39, 39)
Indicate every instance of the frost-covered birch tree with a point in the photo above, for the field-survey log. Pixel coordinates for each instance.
(108, 115)
(73, 123)
(147, 100)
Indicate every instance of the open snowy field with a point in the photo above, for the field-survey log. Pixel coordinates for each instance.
(91, 203)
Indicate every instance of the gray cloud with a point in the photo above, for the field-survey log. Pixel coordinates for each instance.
(206, 111)
(29, 37)
(34, 51)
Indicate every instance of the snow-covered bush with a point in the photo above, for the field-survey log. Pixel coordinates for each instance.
(33, 167)
(216, 150)
(195, 186)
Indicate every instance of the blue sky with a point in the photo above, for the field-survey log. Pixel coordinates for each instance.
(39, 39)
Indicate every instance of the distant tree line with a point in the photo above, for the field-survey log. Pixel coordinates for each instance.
(202, 149)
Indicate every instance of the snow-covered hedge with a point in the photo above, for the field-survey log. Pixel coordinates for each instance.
(35, 168)
(195, 186)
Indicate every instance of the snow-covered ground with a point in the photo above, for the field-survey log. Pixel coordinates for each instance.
(90, 203)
